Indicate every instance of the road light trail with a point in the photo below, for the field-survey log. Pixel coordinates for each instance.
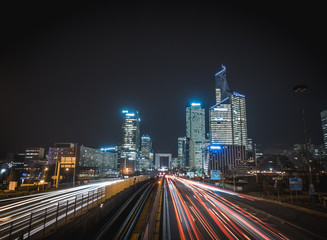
(25, 206)
(15, 215)
(202, 213)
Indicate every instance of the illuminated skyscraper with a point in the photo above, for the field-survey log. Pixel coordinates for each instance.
(145, 154)
(129, 150)
(220, 123)
(195, 131)
(227, 118)
(323, 115)
(180, 150)
(222, 89)
(181, 153)
(239, 119)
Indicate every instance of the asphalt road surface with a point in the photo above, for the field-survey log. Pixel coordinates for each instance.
(201, 211)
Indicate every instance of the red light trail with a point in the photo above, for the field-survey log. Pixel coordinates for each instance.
(201, 213)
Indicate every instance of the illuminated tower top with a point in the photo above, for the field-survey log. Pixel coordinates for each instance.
(222, 89)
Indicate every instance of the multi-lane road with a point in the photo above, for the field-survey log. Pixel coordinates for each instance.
(196, 210)
(191, 210)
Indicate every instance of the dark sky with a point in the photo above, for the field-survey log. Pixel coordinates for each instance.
(67, 71)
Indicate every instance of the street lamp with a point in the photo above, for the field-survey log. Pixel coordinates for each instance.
(300, 89)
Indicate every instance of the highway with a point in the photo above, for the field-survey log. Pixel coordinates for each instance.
(29, 215)
(202, 211)
(191, 210)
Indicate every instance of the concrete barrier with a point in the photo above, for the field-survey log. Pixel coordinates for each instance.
(115, 188)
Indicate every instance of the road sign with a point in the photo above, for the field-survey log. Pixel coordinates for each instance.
(68, 162)
(215, 175)
(296, 184)
(190, 174)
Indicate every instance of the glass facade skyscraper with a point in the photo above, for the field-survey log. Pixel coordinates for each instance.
(220, 123)
(181, 153)
(146, 146)
(227, 118)
(195, 131)
(238, 112)
(129, 150)
(146, 150)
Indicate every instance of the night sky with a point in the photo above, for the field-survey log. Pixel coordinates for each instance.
(67, 71)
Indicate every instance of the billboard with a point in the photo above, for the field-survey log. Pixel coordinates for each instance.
(215, 175)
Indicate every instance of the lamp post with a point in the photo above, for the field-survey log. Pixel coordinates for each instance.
(301, 89)
(58, 174)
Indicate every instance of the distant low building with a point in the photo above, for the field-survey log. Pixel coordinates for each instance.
(96, 163)
(229, 159)
(163, 160)
(275, 163)
(34, 156)
(62, 150)
(90, 162)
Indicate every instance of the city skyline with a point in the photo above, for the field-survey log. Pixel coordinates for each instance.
(68, 78)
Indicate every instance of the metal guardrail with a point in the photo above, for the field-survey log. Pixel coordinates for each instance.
(38, 224)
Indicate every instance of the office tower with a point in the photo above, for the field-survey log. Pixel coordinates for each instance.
(239, 119)
(146, 147)
(227, 118)
(180, 149)
(181, 153)
(129, 151)
(323, 115)
(195, 131)
(221, 123)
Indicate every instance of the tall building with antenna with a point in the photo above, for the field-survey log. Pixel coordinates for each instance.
(227, 118)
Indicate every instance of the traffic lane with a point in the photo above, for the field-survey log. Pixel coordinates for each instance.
(227, 221)
(292, 230)
(307, 222)
(172, 217)
(297, 220)
(185, 226)
(191, 223)
(205, 221)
